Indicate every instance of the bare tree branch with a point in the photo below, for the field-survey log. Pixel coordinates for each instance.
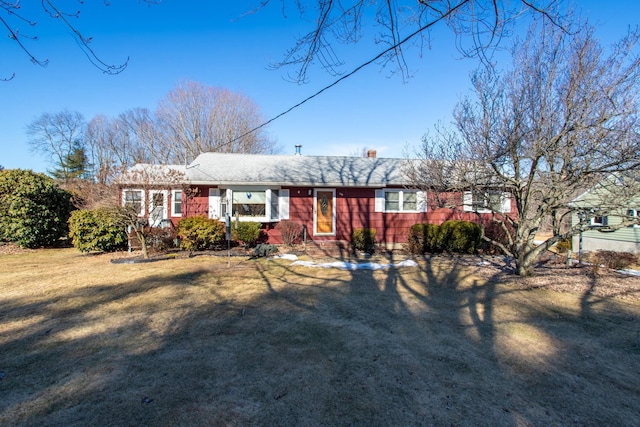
(13, 12)
(479, 26)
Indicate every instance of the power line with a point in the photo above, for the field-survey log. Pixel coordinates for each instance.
(358, 68)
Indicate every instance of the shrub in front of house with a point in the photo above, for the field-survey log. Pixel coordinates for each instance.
(97, 230)
(458, 236)
(161, 239)
(496, 232)
(424, 238)
(290, 231)
(265, 249)
(246, 232)
(198, 233)
(34, 211)
(364, 240)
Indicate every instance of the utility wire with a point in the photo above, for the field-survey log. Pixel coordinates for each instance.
(358, 68)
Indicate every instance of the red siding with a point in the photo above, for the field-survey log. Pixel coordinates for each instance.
(355, 208)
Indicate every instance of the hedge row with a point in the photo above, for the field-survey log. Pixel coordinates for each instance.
(98, 230)
(102, 230)
(451, 236)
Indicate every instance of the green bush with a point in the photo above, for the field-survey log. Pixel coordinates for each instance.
(34, 211)
(424, 238)
(460, 236)
(199, 233)
(264, 250)
(364, 239)
(246, 232)
(97, 230)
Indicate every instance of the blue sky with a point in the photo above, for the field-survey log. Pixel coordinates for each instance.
(211, 43)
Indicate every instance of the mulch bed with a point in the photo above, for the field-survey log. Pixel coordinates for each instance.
(12, 249)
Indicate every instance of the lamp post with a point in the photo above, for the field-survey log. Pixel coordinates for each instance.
(582, 215)
(227, 221)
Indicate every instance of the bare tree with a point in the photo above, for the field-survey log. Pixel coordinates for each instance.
(195, 118)
(101, 141)
(479, 25)
(563, 119)
(13, 18)
(57, 136)
(138, 134)
(130, 138)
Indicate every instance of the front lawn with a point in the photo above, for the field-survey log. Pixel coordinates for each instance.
(215, 341)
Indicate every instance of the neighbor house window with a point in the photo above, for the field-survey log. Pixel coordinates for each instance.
(633, 214)
(599, 221)
(134, 199)
(487, 201)
(400, 201)
(176, 203)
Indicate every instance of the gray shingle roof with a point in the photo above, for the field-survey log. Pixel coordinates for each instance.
(262, 169)
(150, 174)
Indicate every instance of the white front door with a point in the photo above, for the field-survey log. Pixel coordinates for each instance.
(158, 209)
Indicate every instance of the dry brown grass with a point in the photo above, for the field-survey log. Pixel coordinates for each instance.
(193, 341)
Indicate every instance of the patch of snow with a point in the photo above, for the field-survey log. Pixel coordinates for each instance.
(342, 265)
(290, 257)
(629, 272)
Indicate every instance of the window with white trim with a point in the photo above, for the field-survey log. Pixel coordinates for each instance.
(134, 199)
(249, 204)
(176, 202)
(488, 201)
(397, 200)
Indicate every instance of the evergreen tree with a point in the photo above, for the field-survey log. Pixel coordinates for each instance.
(74, 165)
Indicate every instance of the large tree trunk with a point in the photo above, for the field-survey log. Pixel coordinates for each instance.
(140, 235)
(143, 243)
(526, 258)
(524, 266)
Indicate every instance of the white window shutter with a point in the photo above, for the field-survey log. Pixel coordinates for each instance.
(283, 204)
(421, 201)
(467, 201)
(379, 202)
(214, 203)
(506, 202)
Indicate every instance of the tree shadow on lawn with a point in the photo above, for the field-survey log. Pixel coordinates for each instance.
(265, 343)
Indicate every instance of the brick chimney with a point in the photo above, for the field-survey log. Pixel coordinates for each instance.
(371, 154)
